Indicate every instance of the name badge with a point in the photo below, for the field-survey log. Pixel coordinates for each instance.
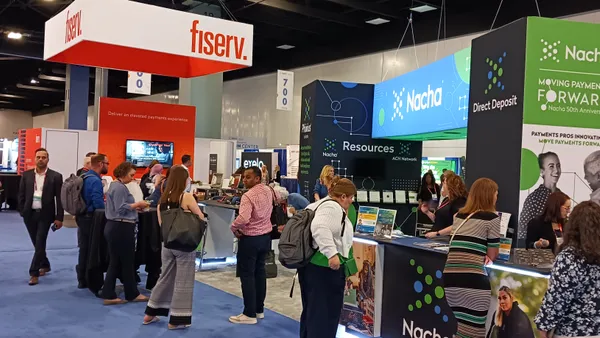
(434, 197)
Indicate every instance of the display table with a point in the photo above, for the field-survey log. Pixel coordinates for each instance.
(408, 293)
(148, 249)
(10, 186)
(219, 238)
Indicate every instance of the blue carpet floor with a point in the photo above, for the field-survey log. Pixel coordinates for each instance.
(56, 308)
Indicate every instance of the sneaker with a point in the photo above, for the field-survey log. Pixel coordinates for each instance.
(260, 315)
(243, 319)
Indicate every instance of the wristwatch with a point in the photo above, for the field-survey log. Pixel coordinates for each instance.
(437, 234)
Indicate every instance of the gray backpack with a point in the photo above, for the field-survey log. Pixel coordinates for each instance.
(295, 244)
(71, 197)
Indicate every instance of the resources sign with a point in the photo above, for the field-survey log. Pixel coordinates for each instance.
(430, 99)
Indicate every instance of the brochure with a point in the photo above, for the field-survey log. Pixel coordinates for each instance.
(367, 219)
(385, 223)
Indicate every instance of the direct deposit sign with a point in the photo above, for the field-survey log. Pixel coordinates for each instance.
(430, 99)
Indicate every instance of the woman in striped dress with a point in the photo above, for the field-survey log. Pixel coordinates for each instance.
(476, 240)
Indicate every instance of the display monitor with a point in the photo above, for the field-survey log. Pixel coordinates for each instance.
(374, 168)
(141, 153)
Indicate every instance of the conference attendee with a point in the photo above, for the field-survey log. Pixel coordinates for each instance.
(146, 180)
(93, 195)
(87, 164)
(322, 281)
(591, 169)
(443, 193)
(253, 229)
(570, 306)
(443, 218)
(475, 240)
(186, 162)
(149, 170)
(509, 321)
(277, 174)
(546, 230)
(121, 216)
(321, 187)
(265, 177)
(297, 202)
(429, 193)
(534, 204)
(174, 291)
(159, 188)
(40, 206)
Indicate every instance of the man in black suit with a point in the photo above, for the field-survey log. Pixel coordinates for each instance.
(39, 204)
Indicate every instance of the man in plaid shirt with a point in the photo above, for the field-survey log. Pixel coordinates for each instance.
(253, 227)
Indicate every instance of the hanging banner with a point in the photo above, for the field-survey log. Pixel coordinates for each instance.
(285, 90)
(139, 83)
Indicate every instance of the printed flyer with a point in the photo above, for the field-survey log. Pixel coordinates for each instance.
(367, 219)
(385, 223)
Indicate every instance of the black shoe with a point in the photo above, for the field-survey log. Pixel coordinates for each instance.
(81, 285)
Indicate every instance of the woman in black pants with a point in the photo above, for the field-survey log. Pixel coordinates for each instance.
(121, 215)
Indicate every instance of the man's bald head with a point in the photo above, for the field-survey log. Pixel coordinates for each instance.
(591, 168)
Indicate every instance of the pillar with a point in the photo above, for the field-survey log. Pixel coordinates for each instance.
(76, 97)
(206, 94)
(100, 90)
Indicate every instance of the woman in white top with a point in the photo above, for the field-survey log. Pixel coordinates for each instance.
(322, 281)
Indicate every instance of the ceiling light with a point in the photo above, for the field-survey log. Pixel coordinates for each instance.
(15, 35)
(46, 105)
(286, 47)
(6, 102)
(377, 21)
(423, 8)
(34, 81)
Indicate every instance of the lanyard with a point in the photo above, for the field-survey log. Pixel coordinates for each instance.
(434, 190)
(35, 186)
(444, 204)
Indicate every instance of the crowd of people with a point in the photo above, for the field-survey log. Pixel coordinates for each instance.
(569, 308)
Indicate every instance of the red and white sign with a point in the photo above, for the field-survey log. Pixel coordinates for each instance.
(132, 36)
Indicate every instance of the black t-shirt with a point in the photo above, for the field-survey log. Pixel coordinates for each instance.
(426, 194)
(444, 216)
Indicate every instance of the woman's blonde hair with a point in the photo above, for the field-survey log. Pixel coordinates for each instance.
(456, 186)
(341, 186)
(324, 176)
(481, 197)
(499, 314)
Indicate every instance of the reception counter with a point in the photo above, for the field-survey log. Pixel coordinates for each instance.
(219, 238)
(400, 292)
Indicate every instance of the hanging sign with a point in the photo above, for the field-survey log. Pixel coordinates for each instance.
(285, 90)
(139, 83)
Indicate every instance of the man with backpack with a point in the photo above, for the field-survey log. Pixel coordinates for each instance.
(93, 195)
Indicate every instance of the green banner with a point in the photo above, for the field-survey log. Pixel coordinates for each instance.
(562, 73)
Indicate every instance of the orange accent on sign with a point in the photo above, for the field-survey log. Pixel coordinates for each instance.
(73, 26)
(121, 120)
(30, 140)
(94, 54)
(210, 43)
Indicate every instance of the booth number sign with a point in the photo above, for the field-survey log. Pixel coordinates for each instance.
(285, 90)
(139, 83)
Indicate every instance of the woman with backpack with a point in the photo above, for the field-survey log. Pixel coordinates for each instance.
(175, 288)
(322, 281)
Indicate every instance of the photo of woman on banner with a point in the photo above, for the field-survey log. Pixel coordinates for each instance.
(550, 171)
(591, 168)
(509, 321)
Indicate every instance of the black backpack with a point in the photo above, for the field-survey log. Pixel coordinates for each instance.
(295, 244)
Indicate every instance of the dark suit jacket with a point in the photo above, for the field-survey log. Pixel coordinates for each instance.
(537, 229)
(51, 205)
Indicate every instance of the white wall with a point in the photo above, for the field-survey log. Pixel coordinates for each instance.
(225, 159)
(13, 120)
(68, 148)
(447, 148)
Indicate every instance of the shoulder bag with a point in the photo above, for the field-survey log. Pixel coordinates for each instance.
(181, 230)
(278, 216)
(461, 224)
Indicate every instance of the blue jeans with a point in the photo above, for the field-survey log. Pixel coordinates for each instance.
(251, 255)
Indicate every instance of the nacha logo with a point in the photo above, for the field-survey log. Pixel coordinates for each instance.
(417, 332)
(73, 26)
(425, 100)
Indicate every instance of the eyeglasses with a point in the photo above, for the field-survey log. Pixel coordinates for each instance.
(107, 163)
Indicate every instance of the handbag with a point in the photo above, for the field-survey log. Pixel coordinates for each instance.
(278, 216)
(181, 230)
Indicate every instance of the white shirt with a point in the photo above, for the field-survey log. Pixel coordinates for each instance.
(326, 228)
(38, 187)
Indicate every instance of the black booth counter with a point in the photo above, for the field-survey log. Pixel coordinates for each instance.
(399, 290)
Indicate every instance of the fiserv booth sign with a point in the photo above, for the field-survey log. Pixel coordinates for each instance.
(105, 34)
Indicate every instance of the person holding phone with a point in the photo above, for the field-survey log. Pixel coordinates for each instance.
(122, 216)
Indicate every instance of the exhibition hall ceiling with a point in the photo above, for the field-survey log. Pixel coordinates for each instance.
(287, 34)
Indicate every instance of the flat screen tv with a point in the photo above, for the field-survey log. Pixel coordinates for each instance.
(374, 168)
(141, 153)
